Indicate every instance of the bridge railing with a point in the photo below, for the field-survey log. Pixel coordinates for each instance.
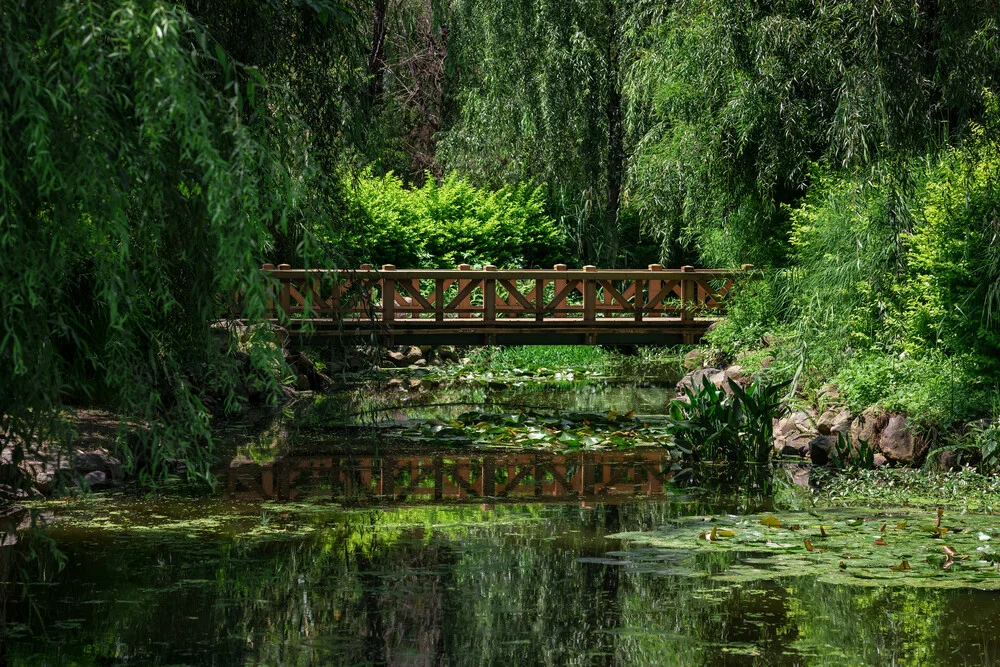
(490, 295)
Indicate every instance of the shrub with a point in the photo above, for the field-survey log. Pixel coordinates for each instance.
(444, 224)
(718, 426)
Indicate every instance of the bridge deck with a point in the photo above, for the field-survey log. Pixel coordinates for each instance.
(523, 307)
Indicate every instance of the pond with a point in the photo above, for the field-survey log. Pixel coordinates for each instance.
(346, 551)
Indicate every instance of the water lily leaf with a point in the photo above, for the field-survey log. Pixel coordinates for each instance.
(904, 566)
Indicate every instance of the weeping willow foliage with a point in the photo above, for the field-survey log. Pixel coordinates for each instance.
(540, 100)
(136, 199)
(733, 100)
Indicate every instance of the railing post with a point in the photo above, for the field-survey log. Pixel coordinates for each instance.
(285, 295)
(558, 286)
(637, 303)
(490, 296)
(654, 287)
(687, 301)
(466, 302)
(388, 294)
(589, 296)
(365, 287)
(439, 299)
(269, 311)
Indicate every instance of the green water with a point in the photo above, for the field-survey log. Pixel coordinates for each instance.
(311, 559)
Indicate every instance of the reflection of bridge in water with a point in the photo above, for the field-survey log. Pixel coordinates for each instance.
(470, 477)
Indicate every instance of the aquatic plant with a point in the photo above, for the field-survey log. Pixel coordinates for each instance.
(718, 425)
(855, 546)
(570, 430)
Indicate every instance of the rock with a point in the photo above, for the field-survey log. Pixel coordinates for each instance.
(420, 363)
(96, 479)
(693, 360)
(696, 378)
(896, 440)
(842, 422)
(413, 354)
(792, 434)
(302, 383)
(821, 448)
(45, 483)
(395, 383)
(735, 373)
(879, 461)
(85, 462)
(868, 426)
(447, 354)
(766, 362)
(465, 360)
(397, 358)
(436, 361)
(414, 384)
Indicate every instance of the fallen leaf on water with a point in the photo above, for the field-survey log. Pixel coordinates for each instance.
(901, 526)
(727, 533)
(809, 545)
(770, 522)
(902, 567)
(882, 529)
(822, 531)
(880, 543)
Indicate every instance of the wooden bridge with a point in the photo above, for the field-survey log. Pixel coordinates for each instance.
(508, 307)
(475, 477)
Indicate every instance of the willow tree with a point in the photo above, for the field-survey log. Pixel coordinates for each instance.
(138, 193)
(538, 90)
(733, 100)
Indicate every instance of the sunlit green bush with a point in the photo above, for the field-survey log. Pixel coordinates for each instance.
(443, 224)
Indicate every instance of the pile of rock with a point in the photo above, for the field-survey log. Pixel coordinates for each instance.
(812, 432)
(420, 356)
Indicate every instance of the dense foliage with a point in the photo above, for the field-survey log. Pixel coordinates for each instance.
(153, 153)
(452, 222)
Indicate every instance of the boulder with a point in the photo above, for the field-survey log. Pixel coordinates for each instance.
(96, 479)
(89, 461)
(447, 354)
(793, 433)
(696, 378)
(413, 354)
(735, 373)
(879, 461)
(395, 383)
(868, 426)
(420, 363)
(821, 449)
(896, 440)
(396, 358)
(414, 384)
